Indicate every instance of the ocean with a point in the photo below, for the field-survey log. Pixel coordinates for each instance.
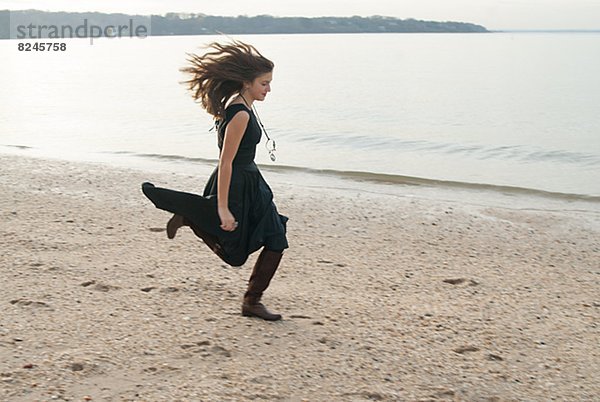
(509, 111)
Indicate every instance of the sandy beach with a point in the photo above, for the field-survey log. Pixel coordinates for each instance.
(384, 298)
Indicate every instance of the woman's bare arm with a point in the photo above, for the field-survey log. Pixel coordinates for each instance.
(233, 136)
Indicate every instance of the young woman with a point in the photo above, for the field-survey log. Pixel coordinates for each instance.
(236, 215)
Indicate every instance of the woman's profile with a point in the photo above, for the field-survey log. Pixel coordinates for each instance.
(236, 215)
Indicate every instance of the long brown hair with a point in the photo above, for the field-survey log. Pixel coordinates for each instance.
(220, 74)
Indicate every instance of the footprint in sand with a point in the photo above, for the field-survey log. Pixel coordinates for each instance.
(30, 303)
(458, 281)
(465, 349)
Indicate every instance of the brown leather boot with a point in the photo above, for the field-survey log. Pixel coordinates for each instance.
(209, 240)
(177, 221)
(173, 225)
(263, 272)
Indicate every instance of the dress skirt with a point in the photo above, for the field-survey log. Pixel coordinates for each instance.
(250, 202)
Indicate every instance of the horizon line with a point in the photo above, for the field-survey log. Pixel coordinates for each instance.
(490, 30)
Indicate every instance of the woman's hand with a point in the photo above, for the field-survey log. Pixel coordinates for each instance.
(228, 222)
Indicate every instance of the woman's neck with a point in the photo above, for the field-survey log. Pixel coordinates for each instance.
(247, 100)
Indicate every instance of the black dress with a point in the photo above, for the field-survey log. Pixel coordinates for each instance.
(250, 201)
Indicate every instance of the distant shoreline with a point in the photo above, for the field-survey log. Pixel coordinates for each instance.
(16, 23)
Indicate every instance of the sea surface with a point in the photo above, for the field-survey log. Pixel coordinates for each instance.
(512, 111)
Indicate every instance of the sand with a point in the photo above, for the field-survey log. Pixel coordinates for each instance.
(384, 297)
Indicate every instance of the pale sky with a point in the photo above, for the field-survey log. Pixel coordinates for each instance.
(493, 14)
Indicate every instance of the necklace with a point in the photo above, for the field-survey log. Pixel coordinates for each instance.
(270, 145)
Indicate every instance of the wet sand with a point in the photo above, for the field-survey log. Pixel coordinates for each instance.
(384, 297)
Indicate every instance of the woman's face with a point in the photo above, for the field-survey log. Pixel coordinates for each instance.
(261, 86)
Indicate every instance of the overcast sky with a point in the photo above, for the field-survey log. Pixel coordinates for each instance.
(493, 14)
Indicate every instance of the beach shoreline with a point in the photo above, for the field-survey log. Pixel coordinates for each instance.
(478, 194)
(385, 297)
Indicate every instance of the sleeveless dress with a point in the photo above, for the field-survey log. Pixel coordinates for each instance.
(250, 201)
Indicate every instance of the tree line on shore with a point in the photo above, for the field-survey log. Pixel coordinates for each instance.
(201, 24)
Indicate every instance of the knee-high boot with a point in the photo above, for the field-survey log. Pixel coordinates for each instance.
(263, 272)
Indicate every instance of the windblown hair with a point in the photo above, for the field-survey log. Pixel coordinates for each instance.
(219, 75)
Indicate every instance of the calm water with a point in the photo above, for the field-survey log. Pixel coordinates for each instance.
(502, 109)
